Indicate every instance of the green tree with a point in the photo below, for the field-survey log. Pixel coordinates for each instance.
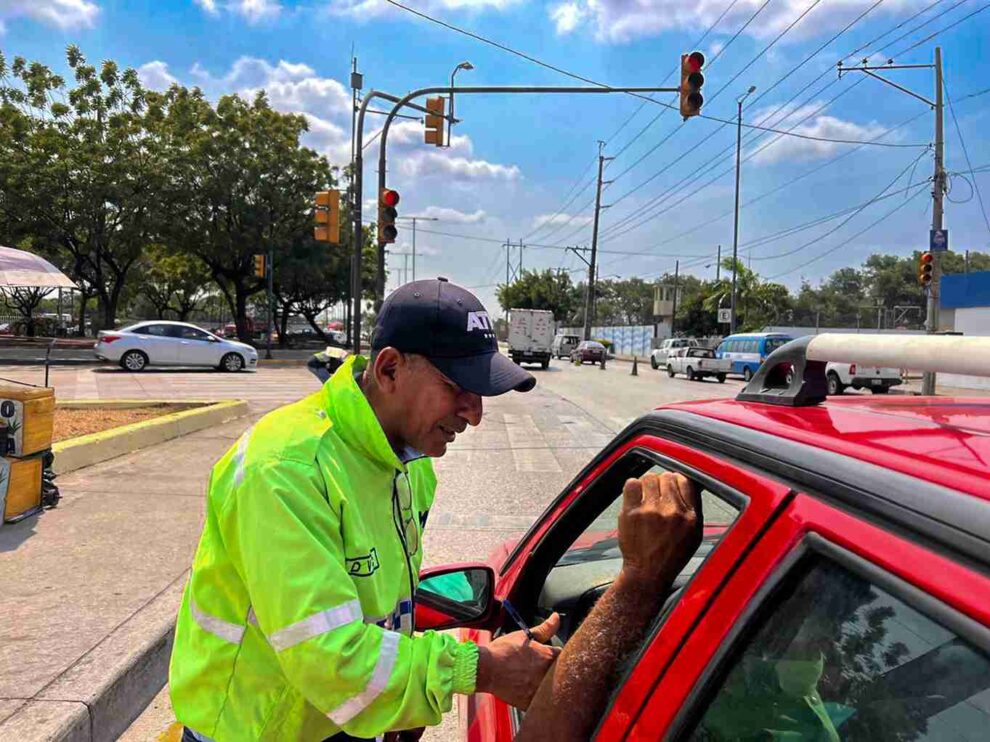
(758, 303)
(173, 281)
(240, 184)
(78, 169)
(546, 289)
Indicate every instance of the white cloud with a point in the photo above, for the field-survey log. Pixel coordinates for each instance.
(253, 11)
(366, 9)
(452, 216)
(796, 149)
(210, 6)
(155, 75)
(64, 14)
(567, 16)
(621, 21)
(571, 219)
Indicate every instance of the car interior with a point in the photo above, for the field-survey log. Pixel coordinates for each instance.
(577, 560)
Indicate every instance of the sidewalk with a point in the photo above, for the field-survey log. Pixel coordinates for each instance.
(84, 644)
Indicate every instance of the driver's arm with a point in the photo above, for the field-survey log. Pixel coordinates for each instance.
(659, 529)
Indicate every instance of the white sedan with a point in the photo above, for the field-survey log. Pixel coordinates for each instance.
(164, 343)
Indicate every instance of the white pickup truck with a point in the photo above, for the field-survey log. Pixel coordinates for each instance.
(878, 380)
(658, 358)
(697, 363)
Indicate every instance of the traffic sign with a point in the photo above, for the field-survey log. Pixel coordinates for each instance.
(725, 316)
(938, 240)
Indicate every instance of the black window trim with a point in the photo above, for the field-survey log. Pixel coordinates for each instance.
(762, 603)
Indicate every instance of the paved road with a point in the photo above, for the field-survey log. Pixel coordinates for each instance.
(494, 481)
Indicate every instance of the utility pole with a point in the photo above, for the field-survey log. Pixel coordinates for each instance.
(590, 292)
(357, 83)
(520, 258)
(938, 191)
(271, 313)
(938, 182)
(673, 314)
(718, 265)
(735, 228)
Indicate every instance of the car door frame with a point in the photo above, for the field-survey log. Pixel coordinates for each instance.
(757, 496)
(946, 591)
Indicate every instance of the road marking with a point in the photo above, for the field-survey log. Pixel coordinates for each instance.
(526, 439)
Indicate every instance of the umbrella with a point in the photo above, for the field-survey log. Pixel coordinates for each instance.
(27, 270)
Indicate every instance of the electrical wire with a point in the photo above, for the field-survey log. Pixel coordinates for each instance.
(941, 31)
(969, 164)
(581, 78)
(567, 203)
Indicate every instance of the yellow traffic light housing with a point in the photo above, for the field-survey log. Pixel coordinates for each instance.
(926, 267)
(259, 266)
(434, 120)
(327, 215)
(691, 81)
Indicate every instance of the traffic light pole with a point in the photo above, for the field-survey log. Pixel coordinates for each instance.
(938, 182)
(357, 252)
(449, 90)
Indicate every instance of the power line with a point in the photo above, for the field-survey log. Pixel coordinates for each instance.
(969, 164)
(557, 213)
(581, 78)
(943, 30)
(845, 242)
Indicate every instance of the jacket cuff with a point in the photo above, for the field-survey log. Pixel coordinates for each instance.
(465, 668)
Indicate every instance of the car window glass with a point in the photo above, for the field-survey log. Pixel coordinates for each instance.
(192, 333)
(841, 659)
(157, 330)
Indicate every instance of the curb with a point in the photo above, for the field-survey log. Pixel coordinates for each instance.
(51, 361)
(105, 690)
(91, 449)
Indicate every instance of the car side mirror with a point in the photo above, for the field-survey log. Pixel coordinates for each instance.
(455, 596)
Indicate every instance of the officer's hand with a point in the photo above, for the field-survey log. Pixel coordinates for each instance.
(512, 666)
(660, 527)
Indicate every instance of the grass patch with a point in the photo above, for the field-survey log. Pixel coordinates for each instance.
(72, 423)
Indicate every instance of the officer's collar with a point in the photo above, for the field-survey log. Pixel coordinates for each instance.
(354, 418)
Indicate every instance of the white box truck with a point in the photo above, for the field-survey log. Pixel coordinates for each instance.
(531, 334)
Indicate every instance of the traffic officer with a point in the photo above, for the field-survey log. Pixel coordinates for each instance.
(324, 364)
(297, 620)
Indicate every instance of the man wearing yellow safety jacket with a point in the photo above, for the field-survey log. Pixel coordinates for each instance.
(297, 622)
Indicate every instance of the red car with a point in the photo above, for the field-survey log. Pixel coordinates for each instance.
(588, 351)
(842, 590)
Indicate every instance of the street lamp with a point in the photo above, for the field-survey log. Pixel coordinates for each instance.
(735, 229)
(450, 122)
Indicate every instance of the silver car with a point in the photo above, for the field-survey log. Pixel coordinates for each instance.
(164, 343)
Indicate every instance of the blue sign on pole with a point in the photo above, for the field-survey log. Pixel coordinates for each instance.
(938, 240)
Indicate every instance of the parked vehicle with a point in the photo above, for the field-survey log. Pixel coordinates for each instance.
(588, 350)
(658, 356)
(840, 376)
(164, 343)
(563, 345)
(531, 334)
(840, 589)
(748, 351)
(697, 364)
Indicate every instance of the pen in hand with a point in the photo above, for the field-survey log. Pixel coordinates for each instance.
(514, 615)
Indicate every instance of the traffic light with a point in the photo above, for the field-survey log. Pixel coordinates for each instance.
(926, 266)
(691, 81)
(434, 120)
(387, 201)
(259, 266)
(327, 217)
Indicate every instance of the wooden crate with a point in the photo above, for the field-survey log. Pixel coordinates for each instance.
(29, 414)
(20, 488)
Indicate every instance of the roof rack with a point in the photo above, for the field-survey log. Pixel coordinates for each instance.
(794, 374)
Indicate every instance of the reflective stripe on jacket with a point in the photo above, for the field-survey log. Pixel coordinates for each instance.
(296, 622)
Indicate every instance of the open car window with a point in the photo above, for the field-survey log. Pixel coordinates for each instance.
(592, 560)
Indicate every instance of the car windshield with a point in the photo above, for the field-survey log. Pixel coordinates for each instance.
(773, 343)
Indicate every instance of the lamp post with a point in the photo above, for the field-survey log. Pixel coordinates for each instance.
(735, 229)
(450, 122)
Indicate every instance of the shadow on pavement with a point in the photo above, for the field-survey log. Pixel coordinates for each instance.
(12, 535)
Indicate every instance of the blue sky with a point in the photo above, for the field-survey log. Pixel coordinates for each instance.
(516, 161)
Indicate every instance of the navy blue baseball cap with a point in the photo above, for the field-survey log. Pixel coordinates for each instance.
(448, 325)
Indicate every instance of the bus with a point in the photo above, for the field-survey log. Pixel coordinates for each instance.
(748, 350)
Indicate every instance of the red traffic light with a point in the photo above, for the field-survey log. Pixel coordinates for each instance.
(926, 258)
(390, 197)
(695, 61)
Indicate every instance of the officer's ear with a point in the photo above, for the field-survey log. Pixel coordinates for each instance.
(386, 367)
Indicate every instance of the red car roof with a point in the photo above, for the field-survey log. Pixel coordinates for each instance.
(943, 440)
